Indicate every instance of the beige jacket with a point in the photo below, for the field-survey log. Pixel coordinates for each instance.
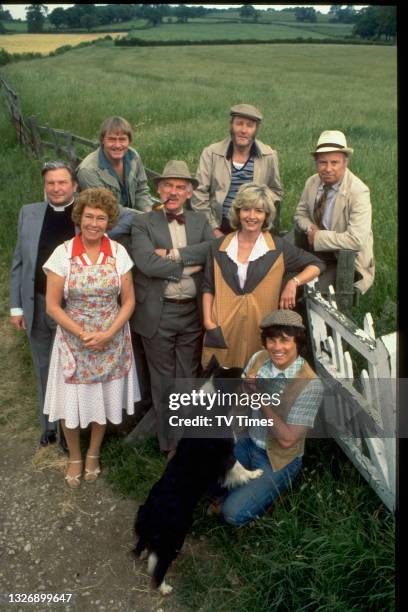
(351, 223)
(214, 177)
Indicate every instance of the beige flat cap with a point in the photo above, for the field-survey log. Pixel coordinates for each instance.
(246, 110)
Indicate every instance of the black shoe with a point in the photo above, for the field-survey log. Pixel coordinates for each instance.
(48, 437)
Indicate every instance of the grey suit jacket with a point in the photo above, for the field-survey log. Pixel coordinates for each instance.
(150, 231)
(30, 222)
(351, 223)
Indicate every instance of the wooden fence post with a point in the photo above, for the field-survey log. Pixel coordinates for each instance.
(345, 280)
(35, 137)
(70, 148)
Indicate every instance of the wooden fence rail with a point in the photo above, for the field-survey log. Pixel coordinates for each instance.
(17, 119)
(361, 415)
(38, 139)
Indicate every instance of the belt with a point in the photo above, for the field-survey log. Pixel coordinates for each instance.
(186, 301)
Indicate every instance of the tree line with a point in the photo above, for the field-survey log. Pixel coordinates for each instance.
(372, 22)
(89, 16)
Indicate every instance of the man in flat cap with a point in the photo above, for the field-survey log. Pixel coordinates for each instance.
(224, 166)
(169, 248)
(335, 212)
(277, 448)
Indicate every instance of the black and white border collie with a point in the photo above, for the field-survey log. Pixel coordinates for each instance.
(199, 464)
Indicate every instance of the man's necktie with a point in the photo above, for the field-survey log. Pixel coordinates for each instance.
(179, 218)
(320, 206)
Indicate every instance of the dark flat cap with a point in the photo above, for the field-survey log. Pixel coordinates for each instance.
(246, 110)
(282, 317)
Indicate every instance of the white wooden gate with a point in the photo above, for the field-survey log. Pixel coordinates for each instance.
(373, 390)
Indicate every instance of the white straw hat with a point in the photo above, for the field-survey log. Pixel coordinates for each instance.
(331, 141)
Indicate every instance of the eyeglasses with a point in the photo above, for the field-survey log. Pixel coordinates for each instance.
(56, 165)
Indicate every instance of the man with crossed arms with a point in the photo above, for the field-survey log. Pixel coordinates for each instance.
(169, 248)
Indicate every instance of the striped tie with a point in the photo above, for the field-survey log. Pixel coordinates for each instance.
(320, 206)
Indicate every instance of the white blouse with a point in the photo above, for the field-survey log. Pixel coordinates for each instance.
(260, 248)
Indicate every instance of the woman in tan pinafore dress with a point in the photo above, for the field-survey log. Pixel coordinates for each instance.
(243, 278)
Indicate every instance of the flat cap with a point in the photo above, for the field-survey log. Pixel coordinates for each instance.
(246, 110)
(282, 317)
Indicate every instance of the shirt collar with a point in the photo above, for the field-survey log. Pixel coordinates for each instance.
(104, 163)
(60, 208)
(79, 249)
(335, 187)
(165, 211)
(260, 248)
(291, 370)
(254, 152)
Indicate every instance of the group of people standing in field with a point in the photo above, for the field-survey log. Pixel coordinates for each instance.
(119, 292)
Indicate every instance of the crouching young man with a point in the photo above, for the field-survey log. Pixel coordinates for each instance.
(282, 373)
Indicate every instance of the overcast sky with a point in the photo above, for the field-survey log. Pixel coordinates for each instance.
(18, 10)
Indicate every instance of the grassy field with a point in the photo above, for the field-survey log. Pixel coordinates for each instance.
(301, 89)
(209, 28)
(44, 43)
(328, 545)
(262, 31)
(15, 26)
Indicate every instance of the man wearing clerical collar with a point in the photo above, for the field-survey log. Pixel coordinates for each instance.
(226, 165)
(41, 228)
(116, 166)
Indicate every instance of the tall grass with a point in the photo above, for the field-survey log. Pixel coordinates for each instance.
(328, 544)
(178, 101)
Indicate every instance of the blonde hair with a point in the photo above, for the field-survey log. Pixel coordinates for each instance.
(253, 195)
(97, 197)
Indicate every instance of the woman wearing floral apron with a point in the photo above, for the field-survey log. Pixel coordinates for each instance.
(92, 375)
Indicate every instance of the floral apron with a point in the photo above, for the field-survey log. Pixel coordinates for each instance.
(91, 293)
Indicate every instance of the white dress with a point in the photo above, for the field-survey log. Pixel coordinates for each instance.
(67, 396)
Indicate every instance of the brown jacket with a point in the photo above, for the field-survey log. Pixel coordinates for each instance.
(278, 456)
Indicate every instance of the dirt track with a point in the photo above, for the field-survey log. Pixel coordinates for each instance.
(53, 539)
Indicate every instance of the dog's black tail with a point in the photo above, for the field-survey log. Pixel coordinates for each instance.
(161, 568)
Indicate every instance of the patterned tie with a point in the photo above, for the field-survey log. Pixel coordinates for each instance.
(179, 218)
(280, 381)
(320, 206)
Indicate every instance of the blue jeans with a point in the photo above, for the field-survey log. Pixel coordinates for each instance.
(247, 502)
